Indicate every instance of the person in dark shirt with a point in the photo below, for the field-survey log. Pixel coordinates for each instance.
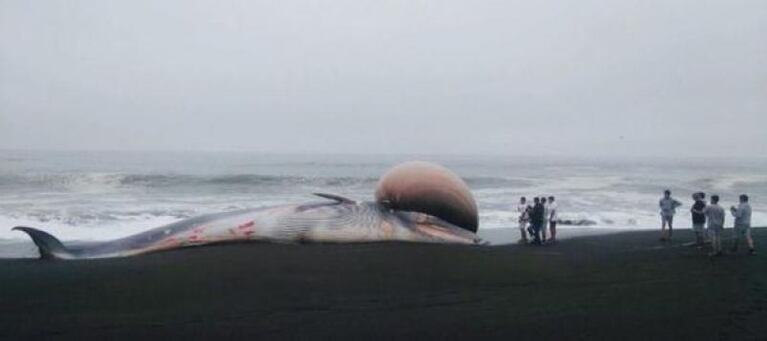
(698, 217)
(536, 218)
(530, 228)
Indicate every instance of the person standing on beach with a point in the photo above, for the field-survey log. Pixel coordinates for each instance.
(668, 207)
(530, 229)
(524, 218)
(536, 219)
(742, 215)
(545, 220)
(552, 218)
(715, 216)
(698, 217)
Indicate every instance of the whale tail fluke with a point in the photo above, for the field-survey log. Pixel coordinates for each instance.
(50, 247)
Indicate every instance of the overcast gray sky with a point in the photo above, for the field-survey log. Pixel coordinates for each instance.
(441, 76)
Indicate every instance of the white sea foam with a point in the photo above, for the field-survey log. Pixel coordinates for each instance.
(82, 232)
(570, 183)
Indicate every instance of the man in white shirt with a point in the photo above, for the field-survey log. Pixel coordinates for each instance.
(523, 209)
(742, 215)
(552, 218)
(715, 217)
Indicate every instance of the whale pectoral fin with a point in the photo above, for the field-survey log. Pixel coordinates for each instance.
(335, 197)
(50, 247)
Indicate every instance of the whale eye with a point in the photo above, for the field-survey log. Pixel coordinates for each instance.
(429, 188)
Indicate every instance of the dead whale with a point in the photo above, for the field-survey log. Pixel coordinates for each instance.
(415, 202)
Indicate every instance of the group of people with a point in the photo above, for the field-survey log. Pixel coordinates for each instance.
(536, 219)
(713, 214)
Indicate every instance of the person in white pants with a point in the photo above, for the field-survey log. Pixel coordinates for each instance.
(715, 217)
(552, 218)
(523, 209)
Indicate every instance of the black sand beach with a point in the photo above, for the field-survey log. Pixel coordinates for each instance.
(619, 286)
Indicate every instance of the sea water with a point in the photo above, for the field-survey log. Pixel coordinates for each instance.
(104, 195)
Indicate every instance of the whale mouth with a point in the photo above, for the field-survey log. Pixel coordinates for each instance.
(435, 228)
(444, 234)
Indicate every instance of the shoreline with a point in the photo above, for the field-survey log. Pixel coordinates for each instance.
(510, 236)
(623, 285)
(24, 248)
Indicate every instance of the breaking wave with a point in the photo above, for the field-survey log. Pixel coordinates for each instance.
(115, 181)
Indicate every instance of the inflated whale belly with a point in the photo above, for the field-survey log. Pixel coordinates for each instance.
(415, 202)
(429, 188)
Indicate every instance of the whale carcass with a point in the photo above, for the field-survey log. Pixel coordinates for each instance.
(415, 202)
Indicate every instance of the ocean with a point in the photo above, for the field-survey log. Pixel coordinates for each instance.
(104, 195)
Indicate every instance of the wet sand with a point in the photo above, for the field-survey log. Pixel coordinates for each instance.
(618, 286)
